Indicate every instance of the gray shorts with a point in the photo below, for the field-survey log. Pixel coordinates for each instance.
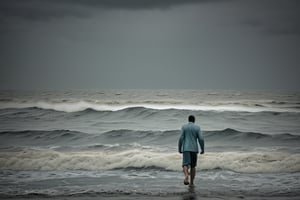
(189, 159)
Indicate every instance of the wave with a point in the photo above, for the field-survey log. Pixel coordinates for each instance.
(235, 135)
(221, 106)
(40, 137)
(250, 162)
(87, 193)
(128, 139)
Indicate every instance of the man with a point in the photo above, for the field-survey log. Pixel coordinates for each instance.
(188, 146)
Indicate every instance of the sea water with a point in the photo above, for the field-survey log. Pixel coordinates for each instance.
(110, 142)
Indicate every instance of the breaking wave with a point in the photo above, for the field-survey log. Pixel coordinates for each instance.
(126, 139)
(234, 106)
(254, 162)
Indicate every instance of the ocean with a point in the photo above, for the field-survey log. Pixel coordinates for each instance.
(122, 144)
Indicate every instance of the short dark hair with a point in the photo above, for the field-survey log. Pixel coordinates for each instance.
(191, 118)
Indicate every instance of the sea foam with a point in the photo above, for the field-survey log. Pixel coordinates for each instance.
(243, 162)
(218, 106)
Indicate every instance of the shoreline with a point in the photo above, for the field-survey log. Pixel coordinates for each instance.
(185, 196)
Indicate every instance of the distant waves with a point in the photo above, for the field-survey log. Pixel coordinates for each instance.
(219, 106)
(124, 139)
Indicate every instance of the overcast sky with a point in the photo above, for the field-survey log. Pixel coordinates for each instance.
(153, 44)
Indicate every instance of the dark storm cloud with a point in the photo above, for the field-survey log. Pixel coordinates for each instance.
(137, 4)
(37, 10)
(47, 9)
(285, 26)
(276, 17)
(223, 44)
(275, 27)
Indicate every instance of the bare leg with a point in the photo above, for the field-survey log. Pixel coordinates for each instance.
(193, 174)
(186, 174)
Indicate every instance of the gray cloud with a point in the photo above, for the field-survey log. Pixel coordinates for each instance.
(137, 4)
(47, 9)
(275, 27)
(153, 44)
(275, 17)
(37, 10)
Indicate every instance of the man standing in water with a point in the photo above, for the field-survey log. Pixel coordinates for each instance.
(188, 146)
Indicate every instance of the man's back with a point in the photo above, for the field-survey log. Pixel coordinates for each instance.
(190, 134)
(188, 146)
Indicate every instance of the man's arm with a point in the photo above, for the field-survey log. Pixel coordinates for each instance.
(180, 141)
(201, 141)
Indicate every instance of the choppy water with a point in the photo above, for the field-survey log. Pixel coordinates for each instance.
(125, 141)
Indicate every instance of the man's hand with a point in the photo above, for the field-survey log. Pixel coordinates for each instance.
(202, 152)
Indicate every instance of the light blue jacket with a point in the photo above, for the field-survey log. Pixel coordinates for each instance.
(190, 134)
